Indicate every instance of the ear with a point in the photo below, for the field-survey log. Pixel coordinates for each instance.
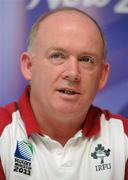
(26, 65)
(104, 75)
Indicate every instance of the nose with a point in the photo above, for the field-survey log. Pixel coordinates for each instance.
(72, 71)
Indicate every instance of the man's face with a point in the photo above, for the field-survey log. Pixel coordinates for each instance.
(67, 64)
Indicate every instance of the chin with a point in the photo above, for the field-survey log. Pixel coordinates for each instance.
(68, 110)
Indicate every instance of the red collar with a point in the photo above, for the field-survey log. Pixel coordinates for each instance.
(91, 126)
(27, 114)
(92, 122)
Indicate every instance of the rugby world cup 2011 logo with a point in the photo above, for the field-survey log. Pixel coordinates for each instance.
(23, 157)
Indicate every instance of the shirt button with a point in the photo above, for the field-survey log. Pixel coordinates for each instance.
(67, 164)
(58, 152)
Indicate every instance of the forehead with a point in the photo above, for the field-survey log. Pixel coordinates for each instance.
(68, 17)
(70, 25)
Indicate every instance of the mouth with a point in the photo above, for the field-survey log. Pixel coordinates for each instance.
(68, 91)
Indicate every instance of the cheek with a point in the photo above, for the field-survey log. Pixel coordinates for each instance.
(38, 79)
(91, 81)
(44, 79)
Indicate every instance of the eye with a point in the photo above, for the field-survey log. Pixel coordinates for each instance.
(57, 55)
(87, 59)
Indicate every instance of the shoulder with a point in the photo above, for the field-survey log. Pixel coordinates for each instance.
(116, 117)
(6, 115)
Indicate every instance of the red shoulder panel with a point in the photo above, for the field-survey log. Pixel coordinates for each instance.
(6, 115)
(124, 120)
(2, 176)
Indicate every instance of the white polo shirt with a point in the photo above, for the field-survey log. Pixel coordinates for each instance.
(97, 152)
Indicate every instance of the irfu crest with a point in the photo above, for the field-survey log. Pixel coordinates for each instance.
(100, 153)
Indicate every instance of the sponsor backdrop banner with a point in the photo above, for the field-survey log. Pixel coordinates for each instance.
(16, 18)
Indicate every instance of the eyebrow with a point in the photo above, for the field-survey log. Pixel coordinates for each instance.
(56, 49)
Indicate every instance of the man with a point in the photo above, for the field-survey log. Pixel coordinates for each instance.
(54, 131)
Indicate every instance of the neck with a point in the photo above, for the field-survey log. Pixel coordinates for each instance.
(59, 130)
(59, 127)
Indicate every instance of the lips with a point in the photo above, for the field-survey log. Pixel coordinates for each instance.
(68, 91)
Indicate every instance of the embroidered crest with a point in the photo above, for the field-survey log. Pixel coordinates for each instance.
(101, 153)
